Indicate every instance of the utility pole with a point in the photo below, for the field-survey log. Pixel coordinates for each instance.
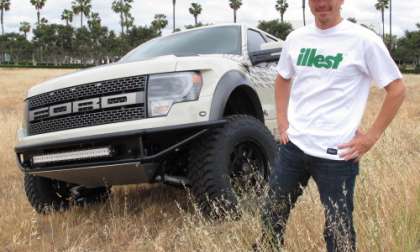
(303, 9)
(390, 24)
(173, 14)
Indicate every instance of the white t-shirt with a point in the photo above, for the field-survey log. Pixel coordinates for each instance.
(332, 71)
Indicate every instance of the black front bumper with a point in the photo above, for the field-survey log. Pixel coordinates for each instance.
(136, 154)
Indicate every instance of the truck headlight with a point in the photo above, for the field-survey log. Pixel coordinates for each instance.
(22, 131)
(164, 90)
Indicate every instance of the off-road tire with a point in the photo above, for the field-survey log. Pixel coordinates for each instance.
(47, 195)
(210, 163)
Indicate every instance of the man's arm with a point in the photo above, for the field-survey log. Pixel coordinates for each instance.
(282, 94)
(362, 143)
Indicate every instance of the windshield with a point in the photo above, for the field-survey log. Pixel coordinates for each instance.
(216, 40)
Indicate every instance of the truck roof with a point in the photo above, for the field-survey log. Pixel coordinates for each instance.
(243, 27)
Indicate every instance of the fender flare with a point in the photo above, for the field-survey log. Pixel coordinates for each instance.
(226, 85)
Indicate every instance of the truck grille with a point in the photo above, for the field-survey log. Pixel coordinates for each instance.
(90, 116)
(123, 85)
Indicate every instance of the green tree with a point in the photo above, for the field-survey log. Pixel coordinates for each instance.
(381, 5)
(195, 10)
(25, 27)
(408, 47)
(128, 18)
(65, 41)
(67, 16)
(276, 28)
(111, 46)
(138, 35)
(16, 46)
(281, 6)
(117, 7)
(388, 40)
(4, 6)
(98, 37)
(38, 4)
(64, 35)
(159, 23)
(44, 21)
(123, 7)
(82, 44)
(94, 23)
(235, 5)
(46, 41)
(101, 38)
(82, 7)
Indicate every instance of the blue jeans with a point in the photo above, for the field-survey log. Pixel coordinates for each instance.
(335, 181)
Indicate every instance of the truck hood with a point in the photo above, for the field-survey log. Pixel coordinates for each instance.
(106, 72)
(162, 64)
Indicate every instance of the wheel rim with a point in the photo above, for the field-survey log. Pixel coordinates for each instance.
(248, 167)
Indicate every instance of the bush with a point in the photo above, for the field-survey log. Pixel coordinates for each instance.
(410, 70)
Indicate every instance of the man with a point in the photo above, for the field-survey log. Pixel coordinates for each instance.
(332, 64)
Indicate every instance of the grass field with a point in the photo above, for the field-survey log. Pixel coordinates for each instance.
(160, 218)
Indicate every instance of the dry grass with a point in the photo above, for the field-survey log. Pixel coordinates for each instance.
(159, 218)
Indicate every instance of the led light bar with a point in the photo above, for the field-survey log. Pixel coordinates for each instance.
(72, 155)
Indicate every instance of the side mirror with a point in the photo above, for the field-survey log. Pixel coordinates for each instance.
(270, 52)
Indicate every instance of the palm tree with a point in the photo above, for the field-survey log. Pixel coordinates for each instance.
(67, 16)
(159, 22)
(123, 7)
(38, 4)
(128, 21)
(235, 5)
(81, 7)
(128, 18)
(25, 27)
(195, 10)
(43, 21)
(281, 6)
(95, 21)
(390, 24)
(381, 5)
(303, 11)
(4, 6)
(117, 7)
(173, 14)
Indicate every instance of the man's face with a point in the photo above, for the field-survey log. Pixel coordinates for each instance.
(326, 11)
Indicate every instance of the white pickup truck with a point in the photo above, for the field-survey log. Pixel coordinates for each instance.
(192, 108)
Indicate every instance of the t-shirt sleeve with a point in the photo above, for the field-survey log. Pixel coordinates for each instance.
(380, 66)
(285, 65)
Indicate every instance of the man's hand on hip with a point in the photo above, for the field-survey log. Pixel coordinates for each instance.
(362, 143)
(282, 95)
(358, 146)
(283, 125)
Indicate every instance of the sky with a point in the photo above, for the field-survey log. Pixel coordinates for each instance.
(406, 13)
